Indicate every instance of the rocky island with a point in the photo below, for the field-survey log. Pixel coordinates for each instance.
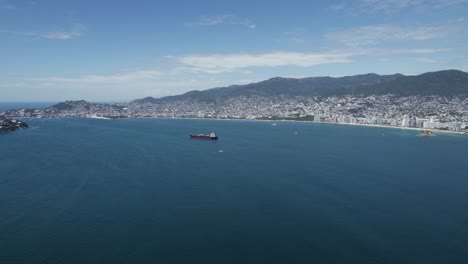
(8, 125)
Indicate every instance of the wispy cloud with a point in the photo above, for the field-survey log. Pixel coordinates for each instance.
(184, 73)
(296, 36)
(338, 7)
(415, 51)
(115, 86)
(385, 54)
(370, 35)
(388, 6)
(5, 6)
(217, 63)
(223, 19)
(448, 3)
(188, 72)
(104, 79)
(423, 55)
(76, 31)
(425, 60)
(128, 84)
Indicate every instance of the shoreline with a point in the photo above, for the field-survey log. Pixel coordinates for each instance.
(273, 121)
(395, 127)
(312, 122)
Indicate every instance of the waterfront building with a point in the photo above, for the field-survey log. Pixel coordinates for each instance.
(379, 119)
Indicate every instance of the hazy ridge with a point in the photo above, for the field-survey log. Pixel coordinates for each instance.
(443, 83)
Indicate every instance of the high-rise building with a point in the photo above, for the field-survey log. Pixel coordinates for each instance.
(379, 119)
(405, 121)
(412, 122)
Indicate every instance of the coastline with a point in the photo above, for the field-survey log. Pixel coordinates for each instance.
(395, 127)
(274, 121)
(312, 122)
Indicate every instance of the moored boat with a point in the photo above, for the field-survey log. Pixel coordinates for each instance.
(211, 136)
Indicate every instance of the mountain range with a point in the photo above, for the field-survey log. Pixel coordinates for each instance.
(442, 83)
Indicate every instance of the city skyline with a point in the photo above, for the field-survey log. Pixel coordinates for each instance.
(60, 50)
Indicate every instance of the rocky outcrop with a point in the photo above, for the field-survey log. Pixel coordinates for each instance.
(8, 125)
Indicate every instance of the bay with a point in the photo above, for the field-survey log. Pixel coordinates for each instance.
(142, 191)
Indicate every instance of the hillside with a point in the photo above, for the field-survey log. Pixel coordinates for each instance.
(445, 83)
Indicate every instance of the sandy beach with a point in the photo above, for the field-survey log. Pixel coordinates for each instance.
(332, 123)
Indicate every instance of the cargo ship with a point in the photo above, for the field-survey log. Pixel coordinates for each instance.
(212, 136)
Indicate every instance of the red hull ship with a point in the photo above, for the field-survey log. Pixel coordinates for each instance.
(211, 136)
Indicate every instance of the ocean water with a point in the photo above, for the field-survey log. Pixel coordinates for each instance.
(140, 191)
(5, 106)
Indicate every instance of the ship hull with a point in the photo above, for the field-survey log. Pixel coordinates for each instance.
(203, 137)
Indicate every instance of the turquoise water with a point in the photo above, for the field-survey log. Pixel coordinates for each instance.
(141, 191)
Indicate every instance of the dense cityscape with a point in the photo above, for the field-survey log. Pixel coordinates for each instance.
(423, 112)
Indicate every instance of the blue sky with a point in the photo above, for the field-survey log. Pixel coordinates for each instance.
(122, 50)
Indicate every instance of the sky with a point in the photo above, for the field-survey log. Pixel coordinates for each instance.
(116, 51)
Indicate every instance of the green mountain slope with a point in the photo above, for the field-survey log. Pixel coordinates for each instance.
(444, 83)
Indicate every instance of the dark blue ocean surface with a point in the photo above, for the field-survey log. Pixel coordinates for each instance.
(5, 106)
(140, 191)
